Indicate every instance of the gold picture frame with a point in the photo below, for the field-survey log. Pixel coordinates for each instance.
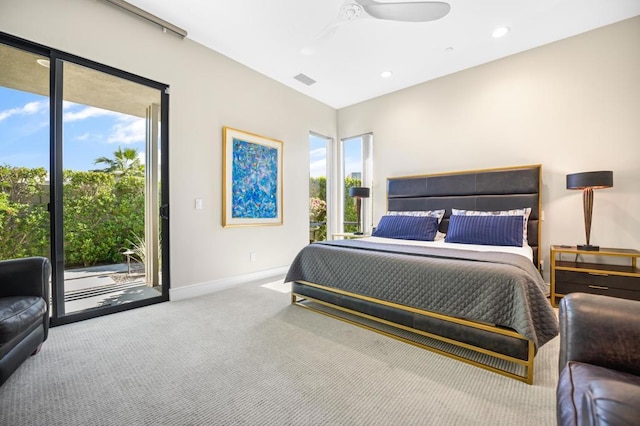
(252, 179)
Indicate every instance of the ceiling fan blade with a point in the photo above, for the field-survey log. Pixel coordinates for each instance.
(349, 11)
(321, 38)
(406, 11)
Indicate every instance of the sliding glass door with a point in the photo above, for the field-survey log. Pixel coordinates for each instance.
(99, 195)
(110, 209)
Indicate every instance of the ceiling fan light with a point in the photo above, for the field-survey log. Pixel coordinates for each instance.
(386, 74)
(351, 11)
(500, 32)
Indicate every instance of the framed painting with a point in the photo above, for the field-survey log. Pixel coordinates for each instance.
(252, 179)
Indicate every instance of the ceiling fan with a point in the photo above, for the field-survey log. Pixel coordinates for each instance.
(404, 11)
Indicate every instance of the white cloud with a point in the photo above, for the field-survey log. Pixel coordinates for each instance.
(318, 152)
(318, 168)
(143, 158)
(87, 112)
(83, 137)
(128, 130)
(28, 109)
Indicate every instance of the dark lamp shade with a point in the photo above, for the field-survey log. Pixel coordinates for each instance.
(358, 191)
(596, 180)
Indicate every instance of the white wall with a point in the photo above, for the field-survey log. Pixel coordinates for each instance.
(571, 106)
(208, 91)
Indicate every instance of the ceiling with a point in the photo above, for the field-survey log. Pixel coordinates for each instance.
(268, 36)
(20, 71)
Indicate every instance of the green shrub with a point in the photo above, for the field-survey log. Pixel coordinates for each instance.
(99, 213)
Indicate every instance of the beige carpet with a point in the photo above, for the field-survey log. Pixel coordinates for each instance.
(245, 356)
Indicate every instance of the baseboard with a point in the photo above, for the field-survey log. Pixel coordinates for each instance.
(208, 287)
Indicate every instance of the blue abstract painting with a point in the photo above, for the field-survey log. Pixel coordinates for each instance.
(254, 181)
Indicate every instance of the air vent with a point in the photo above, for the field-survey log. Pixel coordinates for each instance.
(305, 79)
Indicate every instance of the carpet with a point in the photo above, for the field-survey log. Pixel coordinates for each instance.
(245, 356)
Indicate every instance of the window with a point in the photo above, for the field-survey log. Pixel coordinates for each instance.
(318, 201)
(356, 171)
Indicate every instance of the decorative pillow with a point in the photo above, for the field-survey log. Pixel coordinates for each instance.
(485, 230)
(430, 213)
(515, 212)
(422, 228)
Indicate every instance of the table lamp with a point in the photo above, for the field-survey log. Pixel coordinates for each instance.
(587, 182)
(359, 193)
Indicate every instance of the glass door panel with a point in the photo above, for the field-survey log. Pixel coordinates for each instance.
(24, 154)
(110, 190)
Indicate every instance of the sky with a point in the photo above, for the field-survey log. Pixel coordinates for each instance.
(318, 156)
(88, 132)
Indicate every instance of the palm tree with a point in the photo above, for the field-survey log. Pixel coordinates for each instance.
(125, 162)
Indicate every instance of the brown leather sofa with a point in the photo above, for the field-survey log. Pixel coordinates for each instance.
(24, 310)
(599, 361)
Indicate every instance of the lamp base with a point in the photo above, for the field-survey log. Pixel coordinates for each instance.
(588, 247)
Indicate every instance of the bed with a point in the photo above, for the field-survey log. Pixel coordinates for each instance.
(481, 304)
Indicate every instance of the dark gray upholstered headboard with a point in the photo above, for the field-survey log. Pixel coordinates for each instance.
(490, 189)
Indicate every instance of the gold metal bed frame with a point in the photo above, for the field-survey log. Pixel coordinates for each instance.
(298, 300)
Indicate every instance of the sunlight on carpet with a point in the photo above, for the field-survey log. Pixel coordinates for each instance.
(279, 286)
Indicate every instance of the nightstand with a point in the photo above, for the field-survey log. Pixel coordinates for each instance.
(349, 235)
(570, 276)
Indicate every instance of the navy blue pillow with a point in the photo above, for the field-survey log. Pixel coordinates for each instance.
(485, 230)
(422, 228)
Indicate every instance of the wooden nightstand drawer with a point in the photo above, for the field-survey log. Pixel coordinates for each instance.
(577, 272)
(566, 288)
(598, 279)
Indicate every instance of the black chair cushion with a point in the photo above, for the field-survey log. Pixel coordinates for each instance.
(576, 388)
(609, 402)
(18, 314)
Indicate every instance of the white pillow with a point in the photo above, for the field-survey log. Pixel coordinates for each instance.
(432, 213)
(514, 212)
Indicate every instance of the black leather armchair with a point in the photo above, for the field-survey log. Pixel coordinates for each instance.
(599, 361)
(24, 310)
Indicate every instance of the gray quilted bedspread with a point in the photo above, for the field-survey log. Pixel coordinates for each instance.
(497, 288)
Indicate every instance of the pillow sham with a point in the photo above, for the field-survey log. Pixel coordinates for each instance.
(423, 228)
(486, 230)
(422, 213)
(525, 212)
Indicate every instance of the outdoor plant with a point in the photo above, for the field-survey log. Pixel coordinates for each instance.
(100, 214)
(124, 162)
(24, 223)
(317, 219)
(317, 210)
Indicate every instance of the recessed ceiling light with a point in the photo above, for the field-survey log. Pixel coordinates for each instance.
(386, 74)
(306, 51)
(44, 62)
(501, 31)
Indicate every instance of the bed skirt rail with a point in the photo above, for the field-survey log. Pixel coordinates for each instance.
(497, 342)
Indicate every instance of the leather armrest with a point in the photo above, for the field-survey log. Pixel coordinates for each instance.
(600, 330)
(25, 277)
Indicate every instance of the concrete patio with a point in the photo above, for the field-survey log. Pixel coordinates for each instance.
(105, 285)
